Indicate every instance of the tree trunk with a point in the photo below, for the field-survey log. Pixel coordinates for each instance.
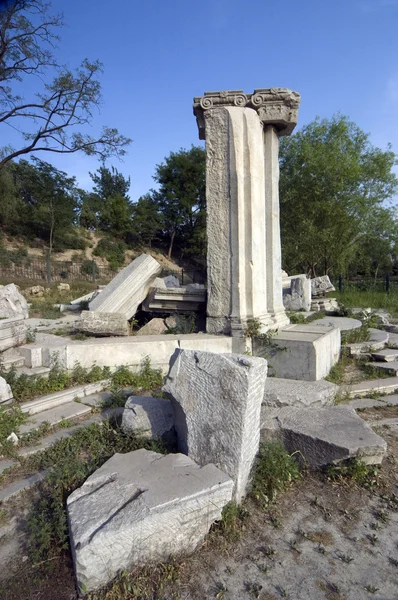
(171, 244)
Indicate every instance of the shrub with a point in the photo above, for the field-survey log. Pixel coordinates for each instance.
(112, 250)
(275, 470)
(89, 267)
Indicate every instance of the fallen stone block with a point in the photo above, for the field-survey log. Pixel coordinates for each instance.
(141, 507)
(63, 287)
(101, 323)
(12, 303)
(5, 391)
(153, 327)
(321, 286)
(292, 392)
(12, 332)
(36, 290)
(175, 300)
(171, 281)
(148, 416)
(323, 435)
(296, 292)
(217, 403)
(129, 288)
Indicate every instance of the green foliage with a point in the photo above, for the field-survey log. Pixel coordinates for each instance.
(146, 378)
(181, 199)
(10, 420)
(89, 267)
(232, 523)
(185, 324)
(333, 183)
(253, 328)
(72, 460)
(147, 221)
(355, 471)
(355, 336)
(275, 470)
(112, 250)
(337, 372)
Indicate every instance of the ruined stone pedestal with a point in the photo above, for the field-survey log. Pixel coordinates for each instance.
(242, 177)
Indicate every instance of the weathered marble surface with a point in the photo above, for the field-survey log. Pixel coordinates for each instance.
(102, 323)
(141, 507)
(12, 303)
(321, 286)
(148, 416)
(217, 402)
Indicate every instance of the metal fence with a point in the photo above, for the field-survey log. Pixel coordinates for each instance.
(387, 283)
(43, 270)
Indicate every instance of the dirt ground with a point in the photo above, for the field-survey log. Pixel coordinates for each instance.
(321, 540)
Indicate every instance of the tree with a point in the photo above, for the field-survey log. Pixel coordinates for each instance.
(332, 181)
(147, 222)
(181, 197)
(50, 121)
(49, 200)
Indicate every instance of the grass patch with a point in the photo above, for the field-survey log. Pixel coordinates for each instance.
(337, 372)
(275, 470)
(355, 336)
(72, 460)
(43, 307)
(371, 298)
(10, 421)
(353, 471)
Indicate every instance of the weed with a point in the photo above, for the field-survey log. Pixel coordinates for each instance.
(185, 324)
(232, 523)
(80, 336)
(337, 372)
(393, 561)
(30, 335)
(382, 515)
(282, 592)
(373, 538)
(4, 516)
(221, 588)
(254, 589)
(297, 318)
(293, 546)
(275, 470)
(269, 551)
(353, 470)
(346, 558)
(72, 460)
(10, 421)
(371, 588)
(355, 336)
(321, 549)
(253, 328)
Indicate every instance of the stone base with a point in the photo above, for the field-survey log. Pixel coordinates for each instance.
(304, 352)
(290, 392)
(138, 508)
(103, 324)
(321, 436)
(326, 304)
(236, 328)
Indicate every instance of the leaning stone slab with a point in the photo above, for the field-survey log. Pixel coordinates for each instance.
(148, 416)
(321, 285)
(153, 327)
(129, 288)
(291, 392)
(12, 303)
(101, 323)
(141, 507)
(217, 402)
(323, 435)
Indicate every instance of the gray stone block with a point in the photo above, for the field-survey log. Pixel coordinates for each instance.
(102, 323)
(12, 303)
(148, 416)
(129, 288)
(141, 507)
(296, 293)
(5, 391)
(153, 327)
(323, 435)
(292, 392)
(321, 286)
(217, 403)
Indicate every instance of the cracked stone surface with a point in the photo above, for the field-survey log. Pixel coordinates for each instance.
(323, 435)
(217, 402)
(141, 507)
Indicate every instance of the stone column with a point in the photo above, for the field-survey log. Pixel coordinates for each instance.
(242, 173)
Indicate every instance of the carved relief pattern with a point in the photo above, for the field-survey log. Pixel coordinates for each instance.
(274, 106)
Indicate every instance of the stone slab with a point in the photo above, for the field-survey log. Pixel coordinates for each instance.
(217, 401)
(153, 327)
(388, 367)
(148, 416)
(386, 355)
(292, 392)
(12, 332)
(6, 463)
(343, 323)
(324, 435)
(141, 507)
(63, 397)
(21, 485)
(5, 391)
(129, 288)
(103, 323)
(377, 340)
(384, 385)
(303, 352)
(53, 416)
(175, 300)
(393, 340)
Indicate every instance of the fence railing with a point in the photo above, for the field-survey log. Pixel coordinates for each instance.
(44, 270)
(387, 283)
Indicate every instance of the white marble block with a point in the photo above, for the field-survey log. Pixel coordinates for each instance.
(217, 403)
(129, 288)
(138, 508)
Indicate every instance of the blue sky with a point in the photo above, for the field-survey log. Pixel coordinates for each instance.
(340, 55)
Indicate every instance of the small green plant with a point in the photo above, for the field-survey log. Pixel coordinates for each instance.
(346, 558)
(10, 421)
(353, 470)
(232, 523)
(253, 328)
(30, 336)
(371, 589)
(275, 470)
